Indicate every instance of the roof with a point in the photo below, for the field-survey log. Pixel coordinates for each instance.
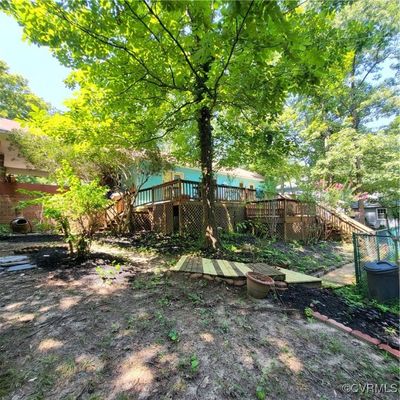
(7, 125)
(242, 173)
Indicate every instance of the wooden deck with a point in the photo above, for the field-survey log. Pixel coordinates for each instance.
(234, 270)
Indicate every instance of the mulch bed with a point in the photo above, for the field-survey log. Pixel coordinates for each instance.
(365, 319)
(31, 238)
(160, 243)
(67, 267)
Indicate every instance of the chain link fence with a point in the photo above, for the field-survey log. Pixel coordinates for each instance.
(374, 247)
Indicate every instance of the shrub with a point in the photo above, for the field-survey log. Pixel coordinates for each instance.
(76, 209)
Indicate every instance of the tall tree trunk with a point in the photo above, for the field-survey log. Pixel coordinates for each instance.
(355, 118)
(210, 233)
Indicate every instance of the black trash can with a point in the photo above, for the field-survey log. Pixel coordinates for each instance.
(383, 280)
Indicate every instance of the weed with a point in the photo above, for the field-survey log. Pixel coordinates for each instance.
(108, 273)
(115, 327)
(173, 335)
(10, 379)
(67, 369)
(357, 296)
(130, 322)
(308, 312)
(164, 301)
(391, 331)
(194, 364)
(195, 298)
(335, 346)
(224, 327)
(261, 393)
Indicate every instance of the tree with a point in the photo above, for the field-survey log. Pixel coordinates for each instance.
(16, 99)
(341, 128)
(209, 76)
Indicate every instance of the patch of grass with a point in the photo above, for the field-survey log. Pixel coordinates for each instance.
(5, 229)
(224, 326)
(108, 273)
(194, 364)
(357, 296)
(144, 282)
(67, 368)
(10, 379)
(335, 346)
(173, 335)
(195, 298)
(46, 376)
(164, 301)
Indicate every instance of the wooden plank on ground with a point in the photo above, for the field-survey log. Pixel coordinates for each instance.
(297, 278)
(189, 265)
(13, 260)
(208, 267)
(243, 268)
(226, 268)
(275, 273)
(179, 264)
(197, 265)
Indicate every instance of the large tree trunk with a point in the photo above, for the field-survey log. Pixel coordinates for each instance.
(209, 232)
(355, 118)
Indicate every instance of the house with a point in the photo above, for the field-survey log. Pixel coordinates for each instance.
(12, 163)
(376, 216)
(237, 177)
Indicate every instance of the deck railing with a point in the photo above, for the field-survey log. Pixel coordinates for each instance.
(279, 208)
(181, 189)
(341, 221)
(286, 208)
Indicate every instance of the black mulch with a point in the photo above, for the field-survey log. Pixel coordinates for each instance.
(67, 267)
(368, 320)
(31, 238)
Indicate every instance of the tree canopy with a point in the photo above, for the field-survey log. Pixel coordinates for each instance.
(346, 131)
(16, 99)
(203, 80)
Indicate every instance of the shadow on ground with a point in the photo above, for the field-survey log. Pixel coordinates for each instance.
(78, 334)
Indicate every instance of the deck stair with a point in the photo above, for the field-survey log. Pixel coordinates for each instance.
(339, 223)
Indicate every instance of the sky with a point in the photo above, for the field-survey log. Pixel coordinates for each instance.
(43, 71)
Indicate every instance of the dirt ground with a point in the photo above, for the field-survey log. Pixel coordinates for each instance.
(138, 333)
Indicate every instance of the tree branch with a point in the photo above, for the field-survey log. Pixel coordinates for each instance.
(235, 41)
(174, 39)
(107, 41)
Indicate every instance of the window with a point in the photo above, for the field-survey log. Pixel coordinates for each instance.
(178, 175)
(241, 184)
(381, 212)
(251, 187)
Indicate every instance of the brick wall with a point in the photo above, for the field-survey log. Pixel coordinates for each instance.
(10, 197)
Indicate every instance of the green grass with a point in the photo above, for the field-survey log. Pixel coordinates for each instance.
(357, 296)
(292, 255)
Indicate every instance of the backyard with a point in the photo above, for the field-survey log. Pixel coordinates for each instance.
(121, 326)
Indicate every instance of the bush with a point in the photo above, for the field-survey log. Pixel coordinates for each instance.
(76, 209)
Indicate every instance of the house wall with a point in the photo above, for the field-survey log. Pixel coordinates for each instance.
(192, 174)
(371, 217)
(14, 163)
(10, 198)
